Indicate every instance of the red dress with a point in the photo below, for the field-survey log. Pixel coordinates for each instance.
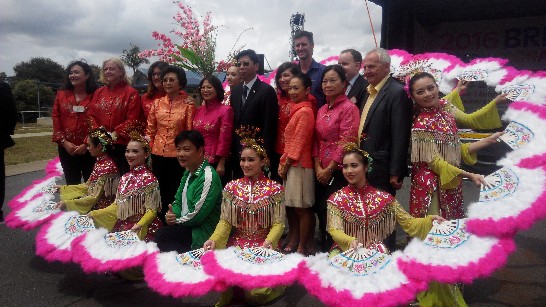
(434, 133)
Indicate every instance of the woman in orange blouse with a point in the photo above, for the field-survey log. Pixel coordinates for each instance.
(70, 117)
(155, 87)
(115, 107)
(169, 116)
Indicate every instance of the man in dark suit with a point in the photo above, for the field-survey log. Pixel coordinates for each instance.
(351, 60)
(254, 104)
(8, 119)
(385, 125)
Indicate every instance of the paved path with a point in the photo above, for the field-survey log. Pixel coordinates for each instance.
(27, 135)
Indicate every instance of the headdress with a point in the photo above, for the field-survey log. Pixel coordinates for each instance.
(248, 135)
(353, 147)
(103, 136)
(134, 130)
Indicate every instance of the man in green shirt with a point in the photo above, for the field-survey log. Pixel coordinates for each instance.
(195, 211)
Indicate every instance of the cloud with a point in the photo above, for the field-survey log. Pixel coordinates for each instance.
(95, 30)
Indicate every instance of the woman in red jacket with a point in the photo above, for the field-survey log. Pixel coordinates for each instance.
(70, 117)
(115, 107)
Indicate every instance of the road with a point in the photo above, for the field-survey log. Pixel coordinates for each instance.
(28, 280)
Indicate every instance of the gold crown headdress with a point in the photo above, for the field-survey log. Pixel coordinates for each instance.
(248, 135)
(353, 147)
(134, 130)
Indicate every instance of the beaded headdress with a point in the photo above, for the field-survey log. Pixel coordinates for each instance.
(103, 136)
(248, 135)
(134, 130)
(353, 147)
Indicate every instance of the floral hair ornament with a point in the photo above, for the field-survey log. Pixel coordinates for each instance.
(103, 136)
(248, 135)
(352, 147)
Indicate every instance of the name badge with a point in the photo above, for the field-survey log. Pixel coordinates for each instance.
(78, 109)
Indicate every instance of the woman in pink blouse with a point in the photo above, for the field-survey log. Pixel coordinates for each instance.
(169, 115)
(215, 122)
(336, 124)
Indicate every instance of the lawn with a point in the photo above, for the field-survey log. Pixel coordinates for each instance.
(31, 149)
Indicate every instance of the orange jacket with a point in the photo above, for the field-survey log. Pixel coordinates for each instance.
(298, 135)
(166, 120)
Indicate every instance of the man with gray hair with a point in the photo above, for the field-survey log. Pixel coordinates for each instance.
(385, 125)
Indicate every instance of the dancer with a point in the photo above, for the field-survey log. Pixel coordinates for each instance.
(253, 206)
(100, 189)
(436, 152)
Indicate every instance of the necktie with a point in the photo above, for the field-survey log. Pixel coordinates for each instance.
(245, 93)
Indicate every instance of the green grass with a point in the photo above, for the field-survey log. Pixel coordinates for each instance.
(30, 149)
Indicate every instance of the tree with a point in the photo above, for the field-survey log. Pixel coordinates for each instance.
(132, 59)
(3, 76)
(26, 95)
(41, 69)
(96, 71)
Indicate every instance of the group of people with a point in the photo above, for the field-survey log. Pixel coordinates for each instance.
(229, 172)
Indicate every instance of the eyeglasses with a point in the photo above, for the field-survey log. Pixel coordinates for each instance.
(244, 64)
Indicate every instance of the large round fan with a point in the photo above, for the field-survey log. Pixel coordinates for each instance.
(362, 277)
(46, 185)
(253, 267)
(54, 239)
(514, 201)
(450, 254)
(179, 275)
(100, 251)
(33, 213)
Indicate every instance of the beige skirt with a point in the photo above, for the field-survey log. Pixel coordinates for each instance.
(299, 187)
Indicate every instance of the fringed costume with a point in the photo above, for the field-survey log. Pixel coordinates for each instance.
(97, 193)
(256, 211)
(137, 201)
(436, 153)
(368, 215)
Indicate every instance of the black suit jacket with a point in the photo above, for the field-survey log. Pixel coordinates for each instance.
(357, 91)
(261, 110)
(8, 115)
(387, 134)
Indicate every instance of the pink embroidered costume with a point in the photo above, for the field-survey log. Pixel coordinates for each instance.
(254, 209)
(215, 122)
(97, 193)
(436, 153)
(368, 215)
(137, 202)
